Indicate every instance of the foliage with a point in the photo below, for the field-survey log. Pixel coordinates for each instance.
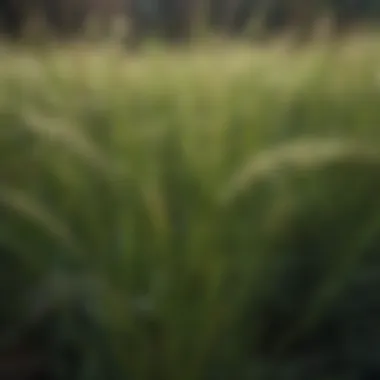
(183, 19)
(202, 215)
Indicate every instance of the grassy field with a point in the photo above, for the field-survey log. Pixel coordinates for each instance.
(204, 214)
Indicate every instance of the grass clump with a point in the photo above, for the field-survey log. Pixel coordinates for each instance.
(204, 215)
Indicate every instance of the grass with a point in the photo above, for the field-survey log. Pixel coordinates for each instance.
(202, 214)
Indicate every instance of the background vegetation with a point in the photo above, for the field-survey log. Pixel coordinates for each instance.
(208, 214)
(182, 19)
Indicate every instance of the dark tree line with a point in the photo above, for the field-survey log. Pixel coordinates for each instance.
(60, 17)
(175, 18)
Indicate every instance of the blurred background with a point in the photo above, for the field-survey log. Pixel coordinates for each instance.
(180, 19)
(189, 189)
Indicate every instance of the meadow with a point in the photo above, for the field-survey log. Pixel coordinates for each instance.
(210, 213)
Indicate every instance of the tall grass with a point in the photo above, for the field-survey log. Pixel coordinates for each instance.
(192, 215)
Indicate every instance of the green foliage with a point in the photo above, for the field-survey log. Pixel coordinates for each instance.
(256, 18)
(204, 215)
